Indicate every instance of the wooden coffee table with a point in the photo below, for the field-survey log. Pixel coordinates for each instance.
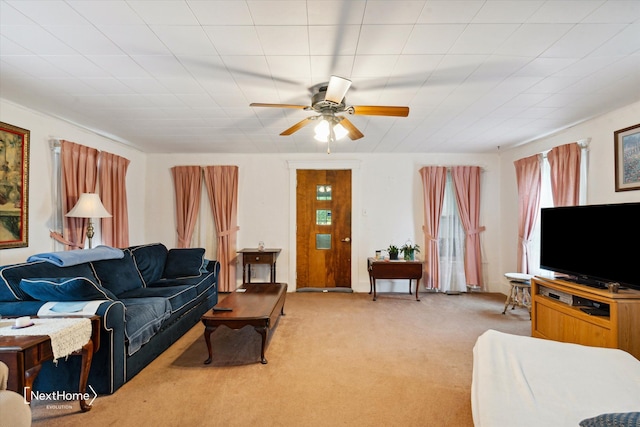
(259, 306)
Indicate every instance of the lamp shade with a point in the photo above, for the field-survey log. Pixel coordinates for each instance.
(89, 206)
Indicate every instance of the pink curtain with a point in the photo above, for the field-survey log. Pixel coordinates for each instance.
(466, 181)
(187, 184)
(434, 179)
(113, 193)
(529, 181)
(222, 187)
(565, 174)
(79, 175)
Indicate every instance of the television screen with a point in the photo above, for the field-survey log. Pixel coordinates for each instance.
(595, 244)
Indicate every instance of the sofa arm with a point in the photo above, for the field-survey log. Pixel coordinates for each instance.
(214, 267)
(108, 368)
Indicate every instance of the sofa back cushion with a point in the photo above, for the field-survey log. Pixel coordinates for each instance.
(118, 275)
(65, 289)
(150, 260)
(11, 275)
(184, 262)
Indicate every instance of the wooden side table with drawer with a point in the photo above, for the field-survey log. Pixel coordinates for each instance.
(255, 256)
(25, 354)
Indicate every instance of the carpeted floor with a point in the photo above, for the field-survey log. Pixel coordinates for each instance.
(335, 359)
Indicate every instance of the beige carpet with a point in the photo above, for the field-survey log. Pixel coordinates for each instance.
(335, 359)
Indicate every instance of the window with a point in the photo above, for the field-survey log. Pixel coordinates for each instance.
(323, 217)
(323, 192)
(546, 201)
(57, 217)
(451, 243)
(323, 241)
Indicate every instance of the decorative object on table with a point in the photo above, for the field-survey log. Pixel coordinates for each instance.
(627, 158)
(23, 322)
(409, 250)
(261, 246)
(393, 252)
(14, 186)
(89, 206)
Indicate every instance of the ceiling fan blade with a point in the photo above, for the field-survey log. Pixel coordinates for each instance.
(354, 133)
(337, 89)
(298, 126)
(258, 104)
(379, 110)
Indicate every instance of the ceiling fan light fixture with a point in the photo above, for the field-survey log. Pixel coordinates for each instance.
(329, 100)
(323, 131)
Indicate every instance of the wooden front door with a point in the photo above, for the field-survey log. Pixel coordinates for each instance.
(323, 236)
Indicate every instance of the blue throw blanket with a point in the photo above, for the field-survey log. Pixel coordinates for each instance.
(78, 256)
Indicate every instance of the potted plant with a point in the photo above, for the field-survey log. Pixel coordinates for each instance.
(393, 251)
(409, 250)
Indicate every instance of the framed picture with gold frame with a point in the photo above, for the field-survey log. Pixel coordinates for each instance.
(14, 186)
(627, 155)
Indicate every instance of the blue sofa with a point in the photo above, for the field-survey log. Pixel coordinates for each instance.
(147, 298)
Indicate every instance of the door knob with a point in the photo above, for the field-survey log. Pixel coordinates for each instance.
(346, 239)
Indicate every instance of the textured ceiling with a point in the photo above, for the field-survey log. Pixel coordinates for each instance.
(178, 75)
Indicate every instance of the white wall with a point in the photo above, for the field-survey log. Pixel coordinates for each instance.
(387, 204)
(387, 197)
(43, 128)
(600, 175)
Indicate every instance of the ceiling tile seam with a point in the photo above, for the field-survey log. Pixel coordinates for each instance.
(361, 24)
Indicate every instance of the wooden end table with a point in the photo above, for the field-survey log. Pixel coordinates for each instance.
(399, 269)
(25, 354)
(259, 306)
(255, 256)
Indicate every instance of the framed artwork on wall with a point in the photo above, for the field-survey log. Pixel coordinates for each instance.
(14, 186)
(627, 157)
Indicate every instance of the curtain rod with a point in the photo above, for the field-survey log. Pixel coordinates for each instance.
(453, 166)
(582, 143)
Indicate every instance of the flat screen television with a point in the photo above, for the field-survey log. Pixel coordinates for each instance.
(594, 244)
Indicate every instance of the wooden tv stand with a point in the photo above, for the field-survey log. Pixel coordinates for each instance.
(559, 316)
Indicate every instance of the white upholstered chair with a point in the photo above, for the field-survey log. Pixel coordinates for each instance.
(15, 413)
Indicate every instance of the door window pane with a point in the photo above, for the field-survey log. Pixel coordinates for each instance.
(323, 217)
(323, 192)
(323, 241)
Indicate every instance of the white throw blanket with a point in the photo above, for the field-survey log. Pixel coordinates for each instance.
(67, 334)
(524, 381)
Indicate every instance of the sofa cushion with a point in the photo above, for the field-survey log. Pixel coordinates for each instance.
(184, 262)
(144, 317)
(178, 296)
(11, 275)
(118, 275)
(202, 282)
(65, 289)
(150, 260)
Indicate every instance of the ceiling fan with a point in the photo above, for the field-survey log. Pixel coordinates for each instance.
(329, 101)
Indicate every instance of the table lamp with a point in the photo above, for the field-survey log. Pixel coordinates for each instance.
(89, 206)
